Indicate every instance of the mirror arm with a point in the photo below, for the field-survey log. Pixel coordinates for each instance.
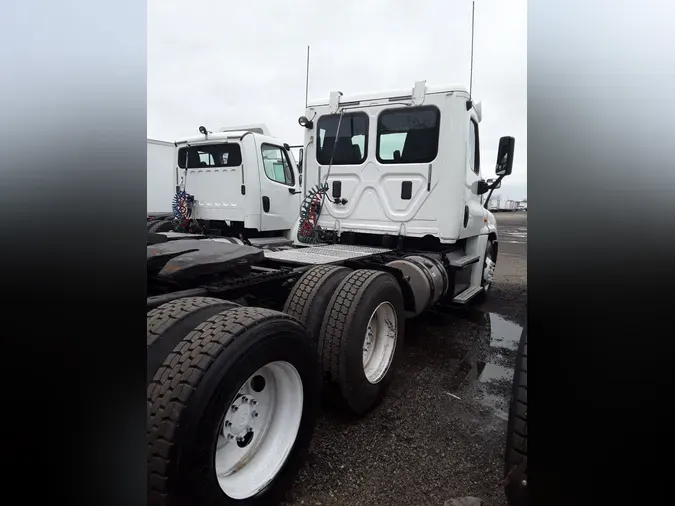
(492, 189)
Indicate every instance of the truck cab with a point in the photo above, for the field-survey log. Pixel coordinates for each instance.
(400, 163)
(241, 180)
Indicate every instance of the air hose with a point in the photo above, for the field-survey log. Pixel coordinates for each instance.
(310, 210)
(182, 209)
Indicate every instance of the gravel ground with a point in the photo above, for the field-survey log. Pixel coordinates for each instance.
(440, 431)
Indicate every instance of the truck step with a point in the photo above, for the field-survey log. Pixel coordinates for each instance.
(467, 295)
(464, 261)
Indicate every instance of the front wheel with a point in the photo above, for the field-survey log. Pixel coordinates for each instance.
(232, 410)
(488, 270)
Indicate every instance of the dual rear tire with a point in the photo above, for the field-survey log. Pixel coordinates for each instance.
(232, 407)
(356, 319)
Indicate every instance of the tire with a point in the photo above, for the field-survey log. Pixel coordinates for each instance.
(516, 434)
(310, 296)
(150, 223)
(190, 397)
(489, 253)
(161, 226)
(342, 339)
(169, 323)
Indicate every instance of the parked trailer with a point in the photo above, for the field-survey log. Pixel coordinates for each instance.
(160, 169)
(508, 205)
(245, 335)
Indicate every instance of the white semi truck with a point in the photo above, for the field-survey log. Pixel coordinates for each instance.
(268, 292)
(242, 191)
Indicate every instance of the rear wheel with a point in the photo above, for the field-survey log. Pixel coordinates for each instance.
(516, 434)
(310, 296)
(361, 338)
(232, 410)
(171, 322)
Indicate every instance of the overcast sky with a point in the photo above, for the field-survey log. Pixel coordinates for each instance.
(218, 63)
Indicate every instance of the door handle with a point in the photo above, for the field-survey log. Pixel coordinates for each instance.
(293, 191)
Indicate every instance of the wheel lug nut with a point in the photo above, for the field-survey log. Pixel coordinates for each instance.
(240, 439)
(253, 402)
(234, 408)
(255, 414)
(249, 429)
(230, 436)
(228, 423)
(244, 399)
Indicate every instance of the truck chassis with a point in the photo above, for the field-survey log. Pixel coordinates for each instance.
(301, 323)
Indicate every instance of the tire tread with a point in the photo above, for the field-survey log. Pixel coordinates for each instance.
(299, 303)
(168, 314)
(346, 301)
(516, 443)
(178, 378)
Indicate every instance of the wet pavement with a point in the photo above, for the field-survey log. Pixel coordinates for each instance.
(440, 431)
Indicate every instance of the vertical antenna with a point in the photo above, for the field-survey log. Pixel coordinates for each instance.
(307, 79)
(473, 11)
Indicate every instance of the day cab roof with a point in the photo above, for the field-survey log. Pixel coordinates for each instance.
(388, 94)
(416, 94)
(229, 134)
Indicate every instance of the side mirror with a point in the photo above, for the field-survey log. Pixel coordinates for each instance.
(505, 156)
(490, 182)
(482, 187)
(301, 155)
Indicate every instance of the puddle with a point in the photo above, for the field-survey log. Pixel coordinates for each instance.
(494, 372)
(486, 365)
(503, 333)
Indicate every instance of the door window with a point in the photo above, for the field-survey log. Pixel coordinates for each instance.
(474, 147)
(276, 164)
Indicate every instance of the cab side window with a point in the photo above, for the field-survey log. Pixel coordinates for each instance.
(474, 147)
(277, 165)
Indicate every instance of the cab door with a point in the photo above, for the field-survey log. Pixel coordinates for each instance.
(279, 188)
(474, 213)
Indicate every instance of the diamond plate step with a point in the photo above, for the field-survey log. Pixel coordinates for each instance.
(319, 255)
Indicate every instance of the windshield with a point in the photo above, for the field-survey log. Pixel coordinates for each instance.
(352, 140)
